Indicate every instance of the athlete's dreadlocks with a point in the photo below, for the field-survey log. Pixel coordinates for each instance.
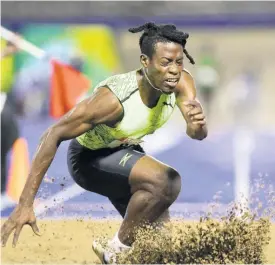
(165, 33)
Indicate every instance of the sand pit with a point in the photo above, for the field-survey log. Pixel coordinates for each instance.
(69, 242)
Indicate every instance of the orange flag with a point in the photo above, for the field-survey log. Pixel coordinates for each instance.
(67, 86)
(19, 168)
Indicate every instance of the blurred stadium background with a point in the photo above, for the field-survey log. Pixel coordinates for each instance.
(233, 44)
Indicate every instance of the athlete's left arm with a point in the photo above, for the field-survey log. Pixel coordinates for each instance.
(190, 107)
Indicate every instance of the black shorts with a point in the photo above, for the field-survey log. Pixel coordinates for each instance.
(105, 171)
(9, 134)
(9, 128)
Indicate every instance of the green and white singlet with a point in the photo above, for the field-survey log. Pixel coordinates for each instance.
(138, 119)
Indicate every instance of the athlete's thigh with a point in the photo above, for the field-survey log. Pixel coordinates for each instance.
(105, 172)
(149, 172)
(117, 167)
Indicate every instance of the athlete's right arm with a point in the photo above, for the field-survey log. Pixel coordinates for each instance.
(101, 108)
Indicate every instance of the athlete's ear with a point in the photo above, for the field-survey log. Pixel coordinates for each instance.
(144, 60)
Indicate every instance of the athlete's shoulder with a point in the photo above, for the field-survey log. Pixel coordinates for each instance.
(187, 73)
(186, 82)
(120, 84)
(113, 79)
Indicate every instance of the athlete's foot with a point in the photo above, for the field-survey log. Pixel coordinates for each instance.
(105, 254)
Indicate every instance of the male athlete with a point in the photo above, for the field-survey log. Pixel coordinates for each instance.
(105, 156)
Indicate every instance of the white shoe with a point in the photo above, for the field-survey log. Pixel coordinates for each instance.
(105, 256)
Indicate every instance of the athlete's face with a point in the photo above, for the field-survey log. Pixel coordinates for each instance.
(165, 67)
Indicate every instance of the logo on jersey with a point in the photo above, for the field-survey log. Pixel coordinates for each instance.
(124, 159)
(168, 104)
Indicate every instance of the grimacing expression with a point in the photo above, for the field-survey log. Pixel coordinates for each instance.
(165, 67)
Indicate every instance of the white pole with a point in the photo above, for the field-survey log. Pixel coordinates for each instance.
(22, 44)
(243, 144)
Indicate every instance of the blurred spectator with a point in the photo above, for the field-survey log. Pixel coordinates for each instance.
(9, 50)
(9, 126)
(207, 76)
(33, 81)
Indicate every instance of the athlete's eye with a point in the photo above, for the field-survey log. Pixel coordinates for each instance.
(164, 63)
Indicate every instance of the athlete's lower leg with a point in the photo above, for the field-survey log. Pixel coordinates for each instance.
(149, 203)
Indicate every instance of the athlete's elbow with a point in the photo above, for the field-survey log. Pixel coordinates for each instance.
(200, 137)
(198, 133)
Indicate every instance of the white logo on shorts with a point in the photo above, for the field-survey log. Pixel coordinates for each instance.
(125, 159)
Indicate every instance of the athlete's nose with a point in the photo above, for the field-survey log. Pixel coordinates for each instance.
(173, 69)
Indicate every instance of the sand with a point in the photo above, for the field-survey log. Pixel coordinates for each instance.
(70, 241)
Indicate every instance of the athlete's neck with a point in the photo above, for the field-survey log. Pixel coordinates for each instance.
(149, 94)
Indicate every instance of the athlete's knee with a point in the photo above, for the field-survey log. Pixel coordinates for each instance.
(173, 184)
(167, 185)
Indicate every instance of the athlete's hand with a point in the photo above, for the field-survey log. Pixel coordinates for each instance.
(21, 216)
(195, 114)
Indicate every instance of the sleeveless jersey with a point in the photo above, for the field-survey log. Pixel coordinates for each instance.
(138, 119)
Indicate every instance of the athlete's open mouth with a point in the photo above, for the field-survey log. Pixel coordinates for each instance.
(172, 82)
